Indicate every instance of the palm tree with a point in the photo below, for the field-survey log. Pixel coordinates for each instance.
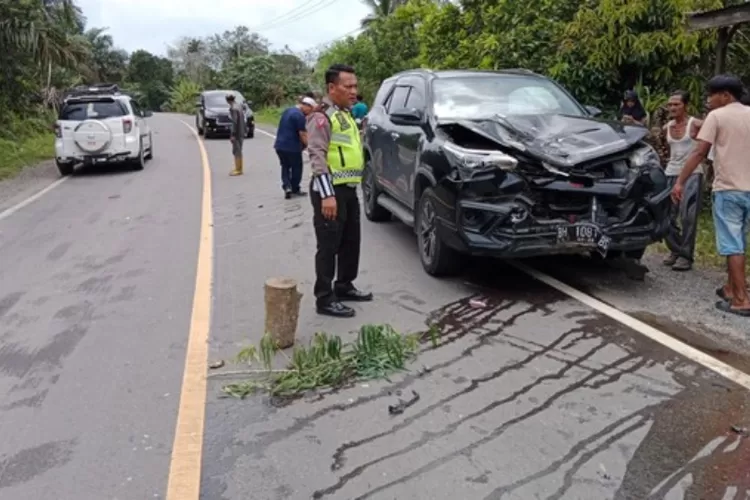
(39, 35)
(381, 9)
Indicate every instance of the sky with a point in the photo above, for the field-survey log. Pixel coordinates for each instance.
(153, 24)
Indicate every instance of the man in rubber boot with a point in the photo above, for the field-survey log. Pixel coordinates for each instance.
(336, 158)
(238, 132)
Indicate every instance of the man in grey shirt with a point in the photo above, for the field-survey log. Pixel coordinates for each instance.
(238, 132)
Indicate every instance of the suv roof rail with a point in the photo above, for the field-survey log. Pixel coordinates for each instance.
(93, 90)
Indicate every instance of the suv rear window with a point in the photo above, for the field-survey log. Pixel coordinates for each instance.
(96, 110)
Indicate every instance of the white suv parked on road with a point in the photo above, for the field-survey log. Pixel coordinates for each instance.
(101, 125)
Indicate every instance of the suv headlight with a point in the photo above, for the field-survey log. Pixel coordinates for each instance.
(479, 159)
(644, 156)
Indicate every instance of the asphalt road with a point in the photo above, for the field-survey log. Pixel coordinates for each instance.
(533, 395)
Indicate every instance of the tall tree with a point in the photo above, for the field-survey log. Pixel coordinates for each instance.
(232, 44)
(107, 63)
(381, 9)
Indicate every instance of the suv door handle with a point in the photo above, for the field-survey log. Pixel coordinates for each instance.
(395, 135)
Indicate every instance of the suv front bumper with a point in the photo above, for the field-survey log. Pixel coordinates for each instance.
(494, 229)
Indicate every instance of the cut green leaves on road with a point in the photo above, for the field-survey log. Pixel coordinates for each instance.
(328, 362)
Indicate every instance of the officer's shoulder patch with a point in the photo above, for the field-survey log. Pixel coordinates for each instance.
(321, 120)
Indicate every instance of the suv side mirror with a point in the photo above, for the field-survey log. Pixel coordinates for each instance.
(593, 110)
(406, 116)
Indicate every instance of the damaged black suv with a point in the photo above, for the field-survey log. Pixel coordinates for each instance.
(508, 164)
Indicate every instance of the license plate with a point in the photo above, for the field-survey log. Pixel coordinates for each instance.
(585, 235)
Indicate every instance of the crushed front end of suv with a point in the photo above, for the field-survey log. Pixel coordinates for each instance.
(508, 164)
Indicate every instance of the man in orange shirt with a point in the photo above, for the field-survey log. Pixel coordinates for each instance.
(727, 129)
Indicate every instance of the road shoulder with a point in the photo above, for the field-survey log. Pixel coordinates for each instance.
(28, 182)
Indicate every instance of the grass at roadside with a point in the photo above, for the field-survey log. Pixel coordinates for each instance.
(269, 116)
(15, 155)
(25, 141)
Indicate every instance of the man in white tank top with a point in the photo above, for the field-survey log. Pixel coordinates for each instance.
(681, 132)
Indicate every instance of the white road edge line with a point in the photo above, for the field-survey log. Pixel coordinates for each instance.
(644, 329)
(31, 199)
(269, 134)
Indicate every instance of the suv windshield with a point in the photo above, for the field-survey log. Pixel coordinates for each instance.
(217, 100)
(96, 110)
(478, 97)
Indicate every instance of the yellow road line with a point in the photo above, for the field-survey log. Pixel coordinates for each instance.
(187, 450)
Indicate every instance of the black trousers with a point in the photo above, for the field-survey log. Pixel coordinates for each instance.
(683, 217)
(338, 244)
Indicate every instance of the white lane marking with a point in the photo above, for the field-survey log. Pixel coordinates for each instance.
(644, 329)
(31, 199)
(265, 133)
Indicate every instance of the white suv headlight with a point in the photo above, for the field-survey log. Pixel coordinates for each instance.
(479, 159)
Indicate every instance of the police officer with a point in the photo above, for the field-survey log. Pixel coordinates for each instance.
(336, 158)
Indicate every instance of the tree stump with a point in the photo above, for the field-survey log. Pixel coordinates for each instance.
(282, 310)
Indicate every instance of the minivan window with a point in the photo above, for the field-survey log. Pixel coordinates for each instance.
(96, 110)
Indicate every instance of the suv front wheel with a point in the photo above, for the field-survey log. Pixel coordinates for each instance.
(438, 259)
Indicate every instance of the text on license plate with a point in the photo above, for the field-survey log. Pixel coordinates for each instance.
(584, 234)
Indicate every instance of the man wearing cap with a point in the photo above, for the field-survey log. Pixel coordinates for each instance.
(237, 133)
(291, 139)
(336, 158)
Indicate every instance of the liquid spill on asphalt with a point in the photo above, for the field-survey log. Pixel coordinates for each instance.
(702, 340)
(638, 421)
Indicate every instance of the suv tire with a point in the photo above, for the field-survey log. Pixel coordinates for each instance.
(198, 127)
(251, 132)
(65, 168)
(438, 259)
(139, 163)
(370, 193)
(150, 154)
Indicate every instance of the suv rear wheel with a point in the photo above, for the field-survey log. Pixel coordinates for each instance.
(139, 163)
(150, 154)
(438, 259)
(370, 193)
(65, 168)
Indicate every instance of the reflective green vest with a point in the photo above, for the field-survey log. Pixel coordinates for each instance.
(345, 157)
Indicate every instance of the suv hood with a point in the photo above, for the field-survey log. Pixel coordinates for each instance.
(560, 140)
(218, 111)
